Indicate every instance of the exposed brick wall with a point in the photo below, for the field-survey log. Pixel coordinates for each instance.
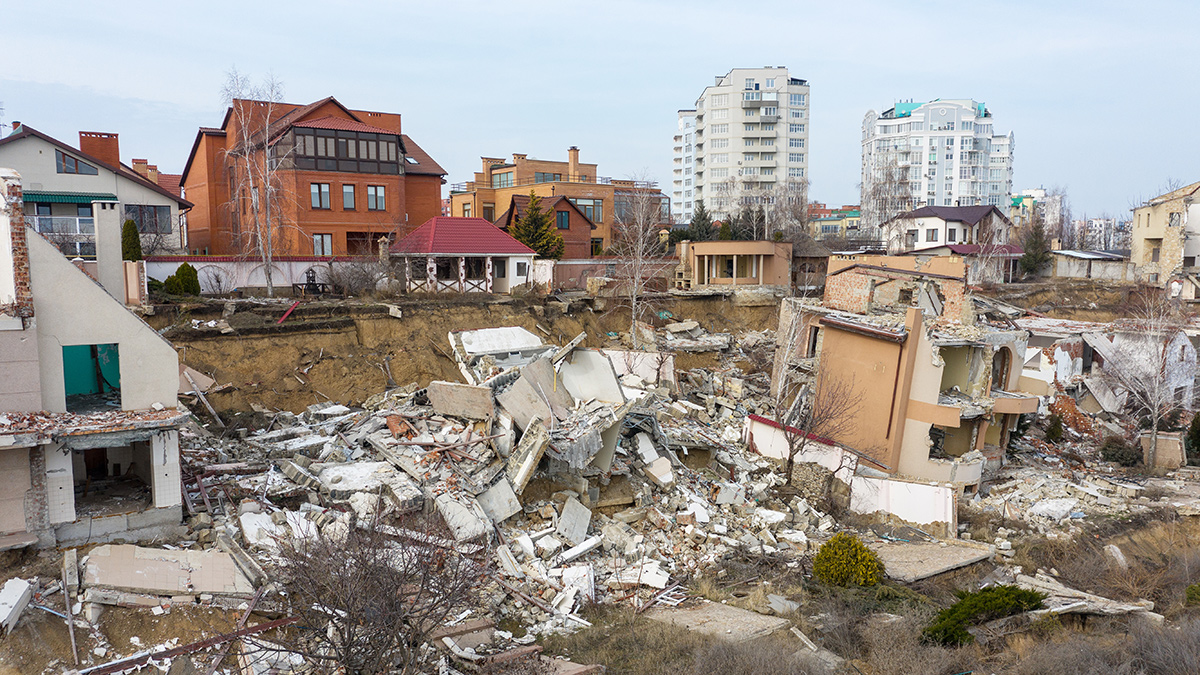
(848, 292)
(14, 207)
(37, 513)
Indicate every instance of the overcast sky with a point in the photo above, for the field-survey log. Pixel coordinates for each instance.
(1101, 95)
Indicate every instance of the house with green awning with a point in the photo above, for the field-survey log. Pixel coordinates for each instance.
(79, 198)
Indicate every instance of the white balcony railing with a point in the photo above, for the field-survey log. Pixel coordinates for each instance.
(64, 225)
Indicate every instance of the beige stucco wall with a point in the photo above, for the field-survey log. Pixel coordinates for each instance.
(20, 382)
(71, 309)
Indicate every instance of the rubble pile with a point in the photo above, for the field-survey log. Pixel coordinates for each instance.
(584, 474)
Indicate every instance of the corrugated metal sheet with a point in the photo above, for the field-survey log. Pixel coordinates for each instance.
(67, 197)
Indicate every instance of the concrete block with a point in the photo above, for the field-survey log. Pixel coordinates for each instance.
(14, 597)
(461, 400)
(71, 571)
(524, 459)
(573, 521)
(576, 551)
(499, 501)
(463, 515)
(645, 447)
(659, 472)
(781, 605)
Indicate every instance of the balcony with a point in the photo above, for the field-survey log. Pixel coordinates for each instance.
(75, 236)
(768, 119)
(757, 103)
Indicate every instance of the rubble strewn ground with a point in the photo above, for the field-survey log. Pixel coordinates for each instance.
(615, 510)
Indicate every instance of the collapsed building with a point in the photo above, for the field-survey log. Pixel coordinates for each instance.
(1092, 362)
(89, 443)
(938, 381)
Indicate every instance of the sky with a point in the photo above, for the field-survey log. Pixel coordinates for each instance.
(1098, 93)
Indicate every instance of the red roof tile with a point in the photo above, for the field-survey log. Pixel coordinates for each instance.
(459, 236)
(170, 182)
(342, 124)
(424, 163)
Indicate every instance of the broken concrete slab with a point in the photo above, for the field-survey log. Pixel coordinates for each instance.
(524, 459)
(589, 374)
(645, 447)
(343, 479)
(499, 501)
(461, 400)
(538, 393)
(781, 605)
(913, 561)
(14, 597)
(149, 571)
(573, 521)
(720, 621)
(463, 515)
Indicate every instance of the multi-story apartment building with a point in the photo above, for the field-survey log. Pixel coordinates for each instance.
(1166, 240)
(682, 172)
(340, 180)
(940, 153)
(602, 199)
(750, 141)
(1105, 234)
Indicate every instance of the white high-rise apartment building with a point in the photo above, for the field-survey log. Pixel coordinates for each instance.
(682, 176)
(748, 139)
(940, 153)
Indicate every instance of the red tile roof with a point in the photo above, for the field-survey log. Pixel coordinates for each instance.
(424, 163)
(459, 236)
(342, 124)
(170, 182)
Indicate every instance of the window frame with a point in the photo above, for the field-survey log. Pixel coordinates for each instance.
(353, 202)
(319, 197)
(376, 198)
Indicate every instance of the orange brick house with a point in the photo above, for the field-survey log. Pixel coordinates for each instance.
(603, 200)
(572, 224)
(344, 179)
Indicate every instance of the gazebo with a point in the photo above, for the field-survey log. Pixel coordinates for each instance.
(462, 255)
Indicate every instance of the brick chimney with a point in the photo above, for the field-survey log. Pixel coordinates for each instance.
(141, 167)
(152, 173)
(573, 163)
(101, 145)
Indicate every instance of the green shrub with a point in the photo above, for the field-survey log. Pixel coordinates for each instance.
(1192, 440)
(949, 627)
(189, 281)
(1054, 429)
(131, 241)
(1116, 450)
(172, 286)
(845, 561)
(153, 284)
(1192, 594)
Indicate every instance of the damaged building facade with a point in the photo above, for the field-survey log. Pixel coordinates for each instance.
(89, 443)
(938, 383)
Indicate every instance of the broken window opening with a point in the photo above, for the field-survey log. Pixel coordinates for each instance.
(112, 479)
(91, 378)
(937, 440)
(447, 269)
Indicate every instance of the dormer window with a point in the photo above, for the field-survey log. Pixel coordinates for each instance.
(65, 163)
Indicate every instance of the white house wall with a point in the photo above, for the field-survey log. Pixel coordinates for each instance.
(71, 309)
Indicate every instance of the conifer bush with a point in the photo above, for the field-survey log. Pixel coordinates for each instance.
(846, 561)
(131, 241)
(949, 627)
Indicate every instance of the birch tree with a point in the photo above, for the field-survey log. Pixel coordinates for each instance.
(636, 242)
(1145, 362)
(254, 162)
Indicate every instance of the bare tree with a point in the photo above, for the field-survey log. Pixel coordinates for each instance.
(886, 192)
(254, 162)
(367, 600)
(787, 209)
(1145, 361)
(818, 408)
(635, 237)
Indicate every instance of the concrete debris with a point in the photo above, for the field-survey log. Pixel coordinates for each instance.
(14, 597)
(573, 475)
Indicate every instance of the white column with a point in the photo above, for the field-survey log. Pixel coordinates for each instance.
(60, 484)
(164, 463)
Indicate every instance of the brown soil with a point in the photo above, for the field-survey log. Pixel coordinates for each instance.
(41, 639)
(1082, 300)
(341, 352)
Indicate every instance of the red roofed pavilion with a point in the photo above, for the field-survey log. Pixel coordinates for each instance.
(463, 255)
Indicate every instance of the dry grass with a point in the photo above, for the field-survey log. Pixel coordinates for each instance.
(634, 645)
(894, 647)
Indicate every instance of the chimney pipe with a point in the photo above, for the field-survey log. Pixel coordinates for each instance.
(573, 163)
(101, 145)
